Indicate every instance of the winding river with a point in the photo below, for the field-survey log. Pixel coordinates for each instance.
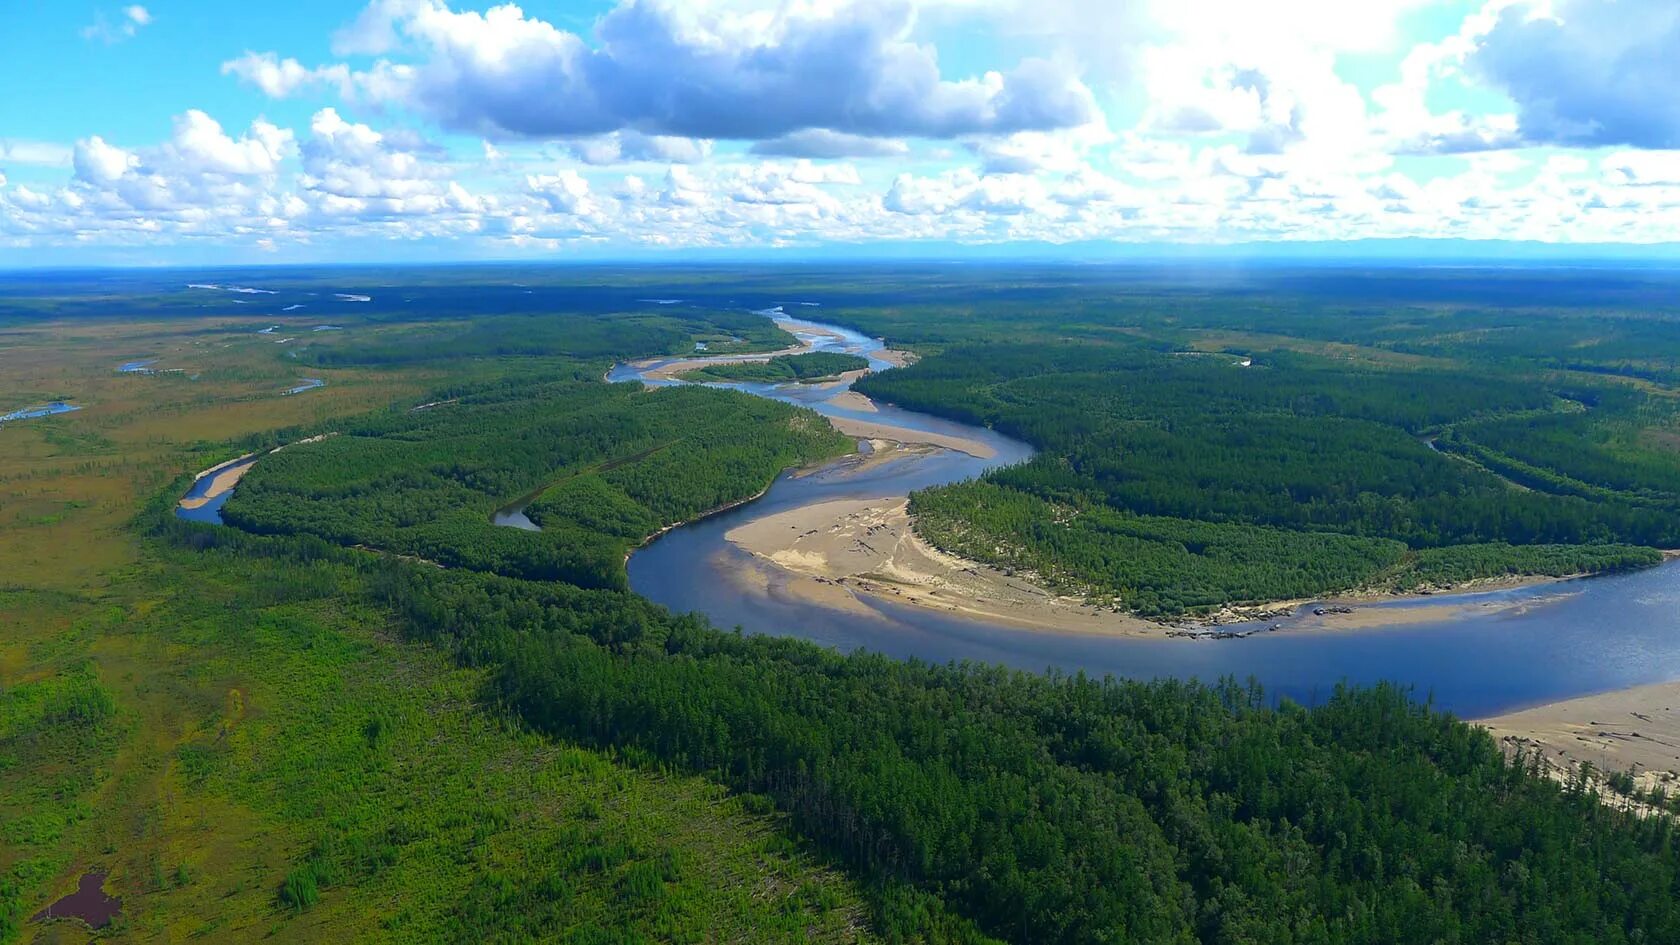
(1495, 651)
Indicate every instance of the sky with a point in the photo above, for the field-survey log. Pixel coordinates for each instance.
(182, 131)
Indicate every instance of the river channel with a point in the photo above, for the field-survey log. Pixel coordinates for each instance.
(1498, 650)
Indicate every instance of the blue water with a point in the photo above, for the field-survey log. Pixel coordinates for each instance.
(45, 410)
(1564, 639)
(211, 512)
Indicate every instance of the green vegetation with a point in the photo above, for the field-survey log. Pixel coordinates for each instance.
(1055, 808)
(1173, 479)
(811, 366)
(233, 735)
(267, 732)
(606, 464)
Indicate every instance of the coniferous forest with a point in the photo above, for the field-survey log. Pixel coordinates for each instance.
(1192, 452)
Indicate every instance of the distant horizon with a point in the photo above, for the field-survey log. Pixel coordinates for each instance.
(1425, 253)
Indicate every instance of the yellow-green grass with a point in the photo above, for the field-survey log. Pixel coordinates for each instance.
(235, 741)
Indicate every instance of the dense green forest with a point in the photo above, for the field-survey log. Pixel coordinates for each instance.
(810, 366)
(604, 465)
(979, 803)
(1174, 476)
(1365, 442)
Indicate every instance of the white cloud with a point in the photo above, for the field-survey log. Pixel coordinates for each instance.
(1586, 72)
(824, 143)
(97, 162)
(124, 26)
(38, 153)
(566, 192)
(200, 146)
(620, 147)
(283, 78)
(663, 68)
(1642, 168)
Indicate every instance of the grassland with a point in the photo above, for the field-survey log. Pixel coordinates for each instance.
(282, 735)
(257, 759)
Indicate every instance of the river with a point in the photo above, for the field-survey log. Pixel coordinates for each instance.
(1539, 644)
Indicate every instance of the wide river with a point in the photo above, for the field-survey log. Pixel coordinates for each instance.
(1561, 640)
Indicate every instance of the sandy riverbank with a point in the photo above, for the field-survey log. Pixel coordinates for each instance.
(831, 550)
(655, 371)
(870, 430)
(226, 476)
(867, 546)
(1634, 729)
(852, 400)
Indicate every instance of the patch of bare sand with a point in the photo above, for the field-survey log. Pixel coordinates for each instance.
(674, 370)
(869, 429)
(866, 546)
(852, 400)
(897, 358)
(879, 453)
(1361, 616)
(1634, 729)
(227, 475)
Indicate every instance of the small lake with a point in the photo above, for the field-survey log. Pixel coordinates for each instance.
(1541, 643)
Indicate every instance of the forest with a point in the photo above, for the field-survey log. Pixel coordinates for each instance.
(810, 366)
(516, 748)
(981, 804)
(602, 465)
(1179, 470)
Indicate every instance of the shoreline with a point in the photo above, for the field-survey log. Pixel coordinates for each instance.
(223, 477)
(654, 370)
(1634, 729)
(857, 547)
(869, 546)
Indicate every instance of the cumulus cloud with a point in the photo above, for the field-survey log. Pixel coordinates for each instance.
(352, 170)
(200, 146)
(566, 192)
(621, 147)
(663, 68)
(824, 143)
(1587, 72)
(97, 162)
(282, 78)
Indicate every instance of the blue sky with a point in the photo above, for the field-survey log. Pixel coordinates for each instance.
(180, 131)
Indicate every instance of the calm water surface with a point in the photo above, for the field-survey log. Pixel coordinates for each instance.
(1566, 639)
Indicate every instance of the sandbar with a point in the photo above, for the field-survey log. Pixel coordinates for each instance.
(871, 430)
(866, 546)
(1635, 729)
(226, 476)
(852, 400)
(674, 370)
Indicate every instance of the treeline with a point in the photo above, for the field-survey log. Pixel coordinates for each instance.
(1056, 808)
(810, 366)
(558, 334)
(1442, 567)
(1151, 565)
(1130, 433)
(425, 483)
(1577, 454)
(1072, 810)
